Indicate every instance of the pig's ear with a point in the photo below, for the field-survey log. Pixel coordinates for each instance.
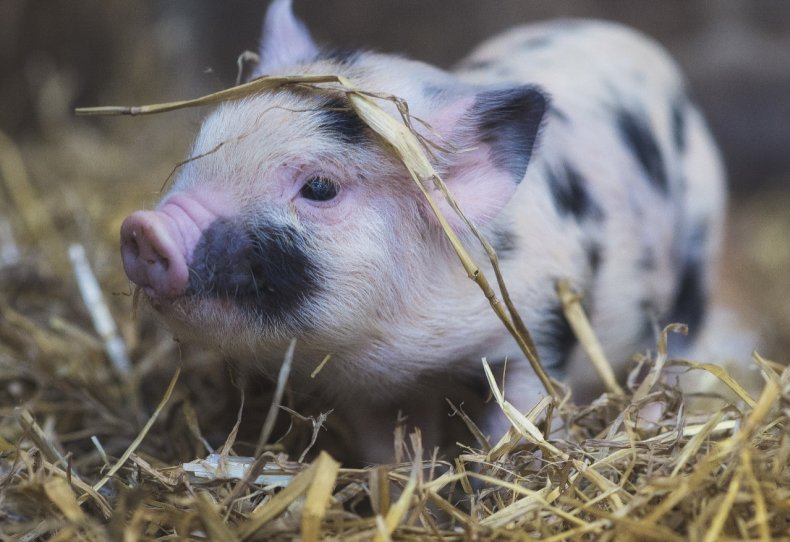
(286, 41)
(494, 132)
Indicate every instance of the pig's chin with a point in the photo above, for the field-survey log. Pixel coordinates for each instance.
(219, 323)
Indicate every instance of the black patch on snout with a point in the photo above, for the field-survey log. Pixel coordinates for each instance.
(264, 269)
(508, 121)
(338, 119)
(570, 196)
(637, 135)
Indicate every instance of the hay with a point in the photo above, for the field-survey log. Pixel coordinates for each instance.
(85, 453)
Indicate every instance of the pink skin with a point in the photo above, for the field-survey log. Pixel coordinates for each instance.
(157, 245)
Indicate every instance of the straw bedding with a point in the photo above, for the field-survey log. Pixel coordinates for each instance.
(111, 431)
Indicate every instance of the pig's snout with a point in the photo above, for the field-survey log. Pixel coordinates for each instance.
(152, 257)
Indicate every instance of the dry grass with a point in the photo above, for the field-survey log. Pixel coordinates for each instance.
(94, 448)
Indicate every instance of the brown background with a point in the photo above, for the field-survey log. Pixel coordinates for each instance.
(736, 52)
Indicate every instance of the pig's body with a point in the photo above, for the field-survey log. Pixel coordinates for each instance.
(623, 195)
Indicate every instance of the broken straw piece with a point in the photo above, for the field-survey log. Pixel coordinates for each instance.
(234, 468)
(100, 313)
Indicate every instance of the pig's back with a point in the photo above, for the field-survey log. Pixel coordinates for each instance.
(580, 63)
(624, 194)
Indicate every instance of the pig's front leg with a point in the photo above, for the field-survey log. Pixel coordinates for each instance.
(522, 388)
(374, 425)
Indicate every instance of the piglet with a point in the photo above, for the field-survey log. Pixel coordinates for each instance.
(572, 145)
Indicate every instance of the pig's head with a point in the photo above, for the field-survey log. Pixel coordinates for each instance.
(293, 220)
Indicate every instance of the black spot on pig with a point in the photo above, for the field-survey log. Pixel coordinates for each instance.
(569, 194)
(678, 124)
(647, 260)
(504, 242)
(637, 135)
(338, 119)
(535, 42)
(432, 91)
(594, 253)
(264, 269)
(508, 121)
(649, 330)
(698, 239)
(558, 340)
(559, 114)
(691, 297)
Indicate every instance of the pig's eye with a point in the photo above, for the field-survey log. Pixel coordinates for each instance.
(319, 189)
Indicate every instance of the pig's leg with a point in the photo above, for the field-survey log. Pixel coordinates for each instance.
(373, 426)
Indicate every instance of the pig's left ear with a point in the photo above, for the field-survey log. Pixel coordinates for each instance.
(494, 132)
(285, 43)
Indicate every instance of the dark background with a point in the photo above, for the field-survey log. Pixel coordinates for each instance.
(736, 53)
(90, 172)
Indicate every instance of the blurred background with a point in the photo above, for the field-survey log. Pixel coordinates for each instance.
(76, 178)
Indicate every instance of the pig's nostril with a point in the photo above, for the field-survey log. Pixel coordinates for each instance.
(151, 256)
(132, 246)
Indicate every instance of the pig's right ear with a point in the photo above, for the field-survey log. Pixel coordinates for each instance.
(494, 133)
(286, 41)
